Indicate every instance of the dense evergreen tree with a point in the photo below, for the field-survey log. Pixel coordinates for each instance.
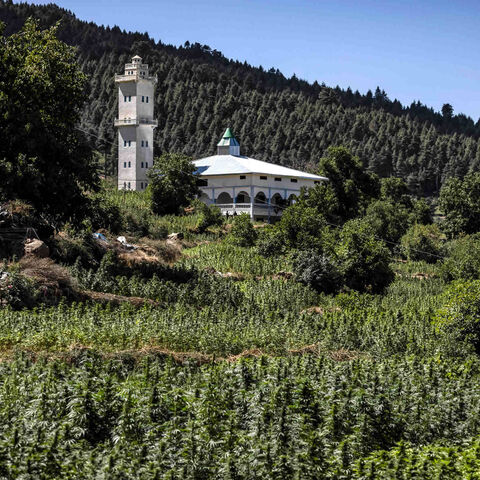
(279, 119)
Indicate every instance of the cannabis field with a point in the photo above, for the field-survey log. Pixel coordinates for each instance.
(255, 376)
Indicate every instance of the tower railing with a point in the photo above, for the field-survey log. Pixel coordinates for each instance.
(134, 77)
(119, 122)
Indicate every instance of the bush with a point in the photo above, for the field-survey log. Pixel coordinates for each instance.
(463, 260)
(317, 271)
(364, 260)
(270, 242)
(242, 234)
(422, 242)
(459, 317)
(209, 216)
(16, 290)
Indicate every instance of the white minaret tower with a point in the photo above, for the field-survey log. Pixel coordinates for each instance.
(135, 125)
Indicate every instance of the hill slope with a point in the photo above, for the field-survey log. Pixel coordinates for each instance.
(288, 121)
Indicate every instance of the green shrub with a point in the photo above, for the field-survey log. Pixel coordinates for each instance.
(463, 260)
(209, 216)
(364, 260)
(422, 242)
(242, 233)
(459, 317)
(317, 271)
(16, 291)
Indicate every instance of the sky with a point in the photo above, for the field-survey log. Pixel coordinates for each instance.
(425, 50)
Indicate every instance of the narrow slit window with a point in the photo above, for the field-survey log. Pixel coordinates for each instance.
(124, 98)
(124, 143)
(146, 143)
(142, 143)
(143, 98)
(147, 99)
(141, 185)
(129, 164)
(129, 185)
(142, 164)
(146, 164)
(124, 164)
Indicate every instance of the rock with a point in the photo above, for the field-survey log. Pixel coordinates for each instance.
(175, 236)
(37, 248)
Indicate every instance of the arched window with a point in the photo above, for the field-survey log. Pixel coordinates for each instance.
(243, 197)
(260, 198)
(224, 198)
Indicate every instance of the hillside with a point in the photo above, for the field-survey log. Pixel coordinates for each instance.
(280, 119)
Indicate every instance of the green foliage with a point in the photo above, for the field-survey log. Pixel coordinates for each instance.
(302, 227)
(317, 271)
(173, 183)
(460, 202)
(422, 242)
(459, 316)
(353, 186)
(16, 291)
(242, 233)
(364, 259)
(389, 220)
(44, 159)
(209, 216)
(463, 260)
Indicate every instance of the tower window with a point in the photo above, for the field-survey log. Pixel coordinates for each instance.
(129, 164)
(147, 99)
(141, 185)
(293, 180)
(129, 185)
(143, 98)
(278, 179)
(124, 98)
(142, 164)
(146, 143)
(142, 143)
(124, 164)
(124, 143)
(129, 143)
(146, 164)
(129, 98)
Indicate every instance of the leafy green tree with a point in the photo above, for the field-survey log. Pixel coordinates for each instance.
(460, 202)
(394, 189)
(463, 259)
(242, 233)
(317, 271)
(389, 221)
(459, 317)
(353, 186)
(209, 216)
(173, 183)
(422, 242)
(364, 260)
(44, 159)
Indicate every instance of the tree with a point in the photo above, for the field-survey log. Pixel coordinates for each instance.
(243, 234)
(447, 111)
(364, 260)
(173, 183)
(422, 242)
(460, 202)
(353, 186)
(44, 159)
(317, 271)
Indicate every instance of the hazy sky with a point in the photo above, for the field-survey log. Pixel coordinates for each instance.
(415, 50)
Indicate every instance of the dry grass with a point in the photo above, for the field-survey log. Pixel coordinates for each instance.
(46, 272)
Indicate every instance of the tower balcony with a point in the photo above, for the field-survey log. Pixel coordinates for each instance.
(125, 122)
(134, 78)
